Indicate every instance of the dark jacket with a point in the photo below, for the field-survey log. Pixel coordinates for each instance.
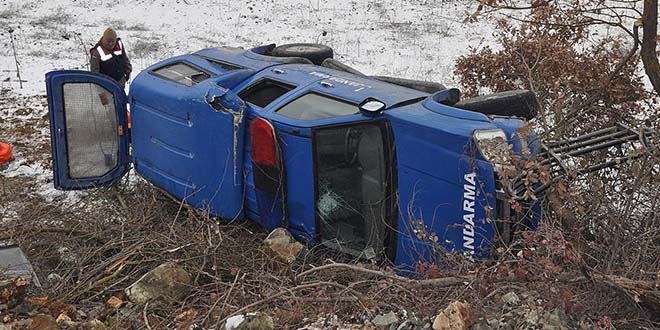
(113, 63)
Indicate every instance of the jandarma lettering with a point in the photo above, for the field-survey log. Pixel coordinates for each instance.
(469, 186)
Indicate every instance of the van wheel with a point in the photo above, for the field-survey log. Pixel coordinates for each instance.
(313, 52)
(520, 103)
(420, 85)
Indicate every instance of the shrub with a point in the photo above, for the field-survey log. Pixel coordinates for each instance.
(581, 83)
(584, 82)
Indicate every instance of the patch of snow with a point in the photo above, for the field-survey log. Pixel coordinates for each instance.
(20, 167)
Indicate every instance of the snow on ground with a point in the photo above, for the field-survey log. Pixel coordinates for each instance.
(417, 39)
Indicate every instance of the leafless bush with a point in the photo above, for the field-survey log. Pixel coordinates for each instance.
(90, 251)
(137, 27)
(56, 19)
(120, 24)
(9, 13)
(582, 82)
(144, 48)
(117, 24)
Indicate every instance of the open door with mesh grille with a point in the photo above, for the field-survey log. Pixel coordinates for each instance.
(88, 126)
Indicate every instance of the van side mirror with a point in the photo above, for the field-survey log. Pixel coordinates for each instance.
(371, 107)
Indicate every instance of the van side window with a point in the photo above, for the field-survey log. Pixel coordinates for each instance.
(182, 73)
(314, 106)
(265, 92)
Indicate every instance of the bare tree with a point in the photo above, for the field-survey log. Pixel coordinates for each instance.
(649, 43)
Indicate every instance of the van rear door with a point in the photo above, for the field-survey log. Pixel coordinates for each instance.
(88, 126)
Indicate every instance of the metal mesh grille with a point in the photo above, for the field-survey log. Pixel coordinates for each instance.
(91, 129)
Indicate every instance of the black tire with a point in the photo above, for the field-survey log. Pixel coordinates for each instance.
(424, 86)
(335, 64)
(313, 52)
(420, 85)
(519, 103)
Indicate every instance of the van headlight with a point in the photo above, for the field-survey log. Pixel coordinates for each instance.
(493, 146)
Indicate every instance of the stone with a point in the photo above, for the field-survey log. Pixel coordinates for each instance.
(165, 281)
(62, 318)
(553, 321)
(385, 320)
(457, 316)
(425, 326)
(43, 322)
(15, 265)
(532, 317)
(250, 321)
(408, 324)
(89, 325)
(283, 246)
(511, 299)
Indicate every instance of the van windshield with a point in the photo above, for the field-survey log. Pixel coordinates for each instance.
(352, 192)
(314, 106)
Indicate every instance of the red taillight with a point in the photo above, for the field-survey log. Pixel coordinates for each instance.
(263, 143)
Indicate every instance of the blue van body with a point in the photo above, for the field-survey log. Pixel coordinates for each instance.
(289, 144)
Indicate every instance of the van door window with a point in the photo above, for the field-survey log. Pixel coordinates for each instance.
(314, 106)
(352, 205)
(91, 149)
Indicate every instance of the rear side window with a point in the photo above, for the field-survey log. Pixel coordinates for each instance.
(182, 73)
(223, 65)
(315, 106)
(265, 92)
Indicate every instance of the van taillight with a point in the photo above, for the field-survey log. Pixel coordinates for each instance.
(267, 174)
(263, 143)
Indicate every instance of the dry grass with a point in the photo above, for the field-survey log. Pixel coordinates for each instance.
(135, 228)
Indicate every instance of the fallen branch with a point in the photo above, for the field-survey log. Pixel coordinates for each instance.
(644, 293)
(354, 268)
(67, 231)
(443, 282)
(439, 282)
(144, 315)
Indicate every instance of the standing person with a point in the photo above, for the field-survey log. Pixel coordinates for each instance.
(109, 57)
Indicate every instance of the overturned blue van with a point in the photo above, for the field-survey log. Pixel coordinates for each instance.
(375, 167)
